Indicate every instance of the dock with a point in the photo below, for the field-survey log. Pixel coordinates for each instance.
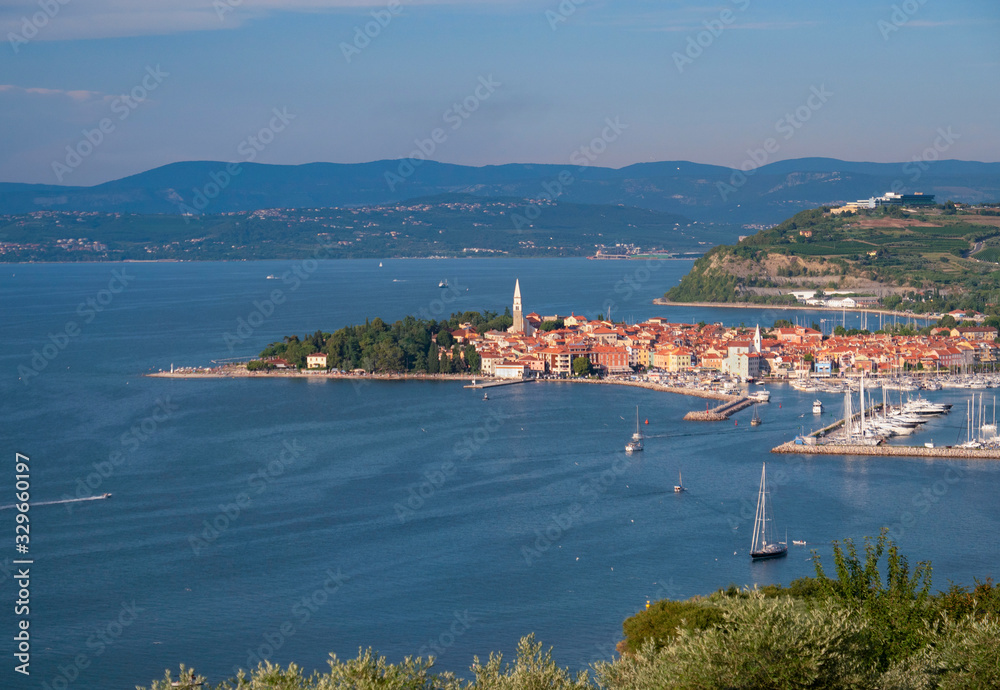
(721, 412)
(495, 384)
(889, 451)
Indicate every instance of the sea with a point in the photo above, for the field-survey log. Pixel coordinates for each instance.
(292, 519)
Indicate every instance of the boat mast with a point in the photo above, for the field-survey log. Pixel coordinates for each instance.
(759, 535)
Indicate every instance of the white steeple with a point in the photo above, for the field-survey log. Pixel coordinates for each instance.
(756, 339)
(519, 325)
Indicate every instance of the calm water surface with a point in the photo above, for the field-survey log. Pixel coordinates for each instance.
(289, 519)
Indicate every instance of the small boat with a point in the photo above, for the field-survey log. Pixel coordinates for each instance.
(817, 407)
(106, 496)
(762, 395)
(380, 264)
(635, 445)
(755, 420)
(443, 283)
(679, 486)
(764, 545)
(271, 276)
(798, 542)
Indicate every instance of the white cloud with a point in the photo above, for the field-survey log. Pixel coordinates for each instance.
(92, 19)
(79, 95)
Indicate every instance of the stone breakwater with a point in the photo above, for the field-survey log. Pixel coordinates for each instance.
(694, 392)
(890, 451)
(720, 413)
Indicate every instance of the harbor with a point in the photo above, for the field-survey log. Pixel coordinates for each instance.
(889, 451)
(868, 430)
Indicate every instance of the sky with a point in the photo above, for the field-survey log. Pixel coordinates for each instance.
(95, 90)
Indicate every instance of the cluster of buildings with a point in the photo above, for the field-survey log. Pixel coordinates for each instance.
(887, 199)
(525, 350)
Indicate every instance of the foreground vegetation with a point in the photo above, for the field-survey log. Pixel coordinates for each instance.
(861, 629)
(934, 261)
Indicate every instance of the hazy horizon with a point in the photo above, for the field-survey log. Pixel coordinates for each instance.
(489, 82)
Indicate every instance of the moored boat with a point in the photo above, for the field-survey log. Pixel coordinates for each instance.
(635, 445)
(764, 544)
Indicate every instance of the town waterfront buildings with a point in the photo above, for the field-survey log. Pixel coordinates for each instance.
(525, 350)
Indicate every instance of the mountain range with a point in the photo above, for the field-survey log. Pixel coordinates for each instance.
(765, 195)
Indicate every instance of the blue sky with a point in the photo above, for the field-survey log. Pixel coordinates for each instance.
(706, 82)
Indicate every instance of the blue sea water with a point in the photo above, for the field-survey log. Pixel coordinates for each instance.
(288, 519)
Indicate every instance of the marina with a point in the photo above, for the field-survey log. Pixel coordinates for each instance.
(867, 431)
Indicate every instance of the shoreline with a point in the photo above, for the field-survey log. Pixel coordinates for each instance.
(235, 371)
(663, 302)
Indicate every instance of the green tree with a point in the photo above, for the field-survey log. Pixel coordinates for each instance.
(582, 366)
(433, 359)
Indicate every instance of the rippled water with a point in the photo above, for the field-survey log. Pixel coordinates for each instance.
(293, 518)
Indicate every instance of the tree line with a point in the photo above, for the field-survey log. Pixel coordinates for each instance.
(408, 345)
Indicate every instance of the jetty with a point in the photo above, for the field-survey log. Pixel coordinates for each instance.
(494, 384)
(720, 413)
(792, 447)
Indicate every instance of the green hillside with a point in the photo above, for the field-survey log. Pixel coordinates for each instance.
(927, 261)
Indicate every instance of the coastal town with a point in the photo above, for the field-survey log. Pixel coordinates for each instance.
(658, 350)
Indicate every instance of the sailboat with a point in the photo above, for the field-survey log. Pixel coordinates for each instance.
(764, 544)
(679, 487)
(756, 419)
(635, 444)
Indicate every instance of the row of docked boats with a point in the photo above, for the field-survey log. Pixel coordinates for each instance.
(902, 420)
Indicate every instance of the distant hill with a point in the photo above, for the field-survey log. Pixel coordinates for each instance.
(769, 194)
(932, 260)
(444, 225)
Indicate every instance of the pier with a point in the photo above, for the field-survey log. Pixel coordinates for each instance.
(494, 384)
(721, 412)
(889, 451)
